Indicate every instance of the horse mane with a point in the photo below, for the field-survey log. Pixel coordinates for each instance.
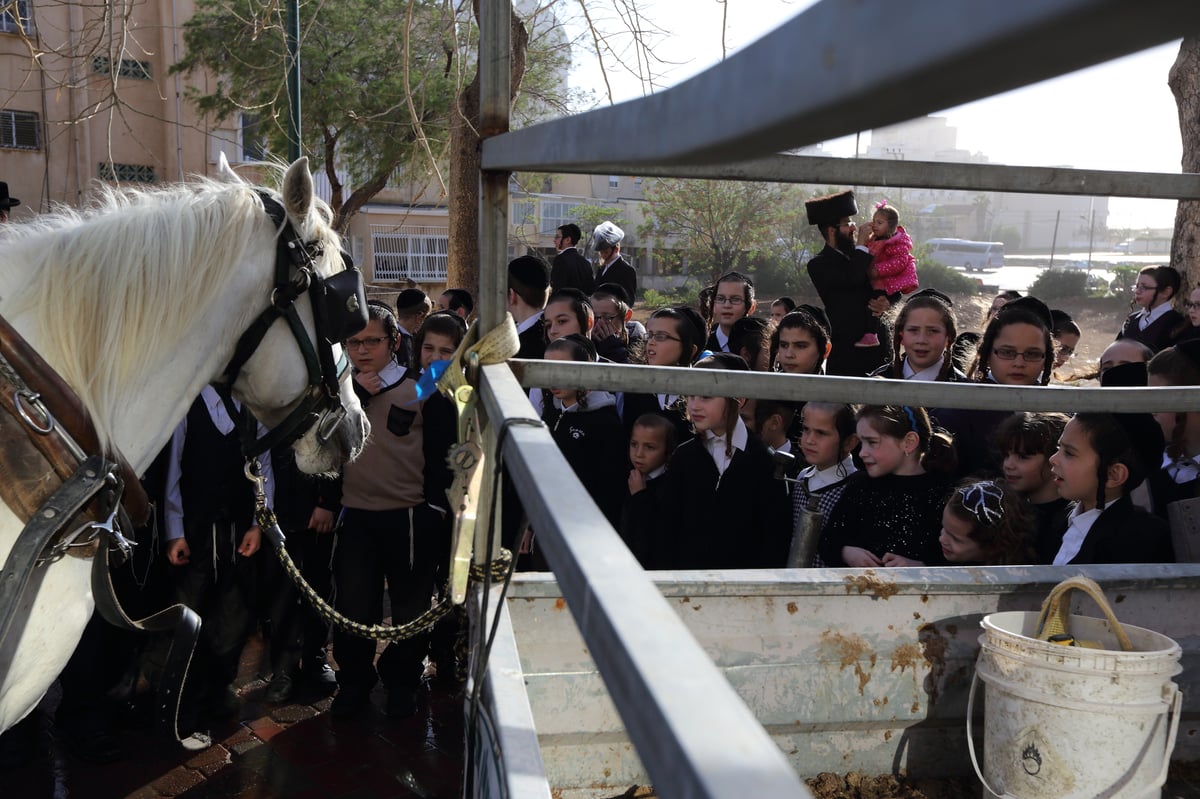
(135, 269)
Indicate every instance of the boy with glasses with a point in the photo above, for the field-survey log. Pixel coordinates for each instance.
(1156, 320)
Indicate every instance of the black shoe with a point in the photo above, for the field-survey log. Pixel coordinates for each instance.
(349, 702)
(401, 704)
(319, 678)
(281, 688)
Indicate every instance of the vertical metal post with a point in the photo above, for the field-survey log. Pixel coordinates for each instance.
(494, 83)
(293, 79)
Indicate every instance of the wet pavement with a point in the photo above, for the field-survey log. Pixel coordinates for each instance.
(287, 751)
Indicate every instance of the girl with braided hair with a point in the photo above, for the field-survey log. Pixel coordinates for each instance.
(892, 516)
(923, 340)
(1101, 458)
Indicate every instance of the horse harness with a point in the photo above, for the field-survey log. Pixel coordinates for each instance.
(71, 500)
(339, 307)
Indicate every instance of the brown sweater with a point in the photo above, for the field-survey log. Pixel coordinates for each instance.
(390, 472)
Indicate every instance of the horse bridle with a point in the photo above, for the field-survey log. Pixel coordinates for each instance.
(339, 308)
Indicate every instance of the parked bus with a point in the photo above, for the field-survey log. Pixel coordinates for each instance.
(968, 255)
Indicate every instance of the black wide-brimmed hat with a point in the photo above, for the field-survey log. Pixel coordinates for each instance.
(6, 202)
(829, 209)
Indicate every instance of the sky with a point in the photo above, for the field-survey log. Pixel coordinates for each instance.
(1119, 115)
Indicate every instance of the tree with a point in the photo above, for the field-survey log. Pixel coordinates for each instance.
(364, 114)
(718, 224)
(1184, 80)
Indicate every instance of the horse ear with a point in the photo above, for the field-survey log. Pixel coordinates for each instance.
(298, 190)
(225, 173)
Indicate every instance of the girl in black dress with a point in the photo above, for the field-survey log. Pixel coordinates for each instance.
(892, 516)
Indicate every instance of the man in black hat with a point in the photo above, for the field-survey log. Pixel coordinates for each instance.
(6, 202)
(528, 291)
(570, 269)
(839, 273)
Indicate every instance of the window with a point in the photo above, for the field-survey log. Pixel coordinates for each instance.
(523, 213)
(416, 253)
(614, 182)
(21, 22)
(129, 67)
(127, 173)
(20, 130)
(253, 142)
(556, 214)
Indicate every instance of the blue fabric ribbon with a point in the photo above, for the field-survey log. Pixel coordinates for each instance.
(427, 385)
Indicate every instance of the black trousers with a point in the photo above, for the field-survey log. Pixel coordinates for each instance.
(399, 547)
(298, 633)
(219, 585)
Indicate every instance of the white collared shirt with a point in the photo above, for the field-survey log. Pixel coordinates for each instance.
(722, 339)
(1078, 526)
(828, 476)
(929, 373)
(530, 322)
(1150, 317)
(1183, 470)
(716, 445)
(666, 400)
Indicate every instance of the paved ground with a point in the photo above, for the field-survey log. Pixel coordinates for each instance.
(288, 751)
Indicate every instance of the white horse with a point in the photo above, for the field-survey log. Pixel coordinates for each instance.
(137, 304)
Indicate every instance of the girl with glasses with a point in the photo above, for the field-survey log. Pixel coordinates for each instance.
(1189, 329)
(674, 337)
(732, 299)
(1155, 320)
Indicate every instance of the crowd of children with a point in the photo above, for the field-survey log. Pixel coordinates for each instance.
(689, 481)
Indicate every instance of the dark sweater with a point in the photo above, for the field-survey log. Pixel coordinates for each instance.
(738, 520)
(902, 515)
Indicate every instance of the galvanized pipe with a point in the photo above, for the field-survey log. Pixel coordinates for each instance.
(872, 391)
(808, 82)
(692, 732)
(825, 171)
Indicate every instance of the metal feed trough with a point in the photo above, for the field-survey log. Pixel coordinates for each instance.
(735, 684)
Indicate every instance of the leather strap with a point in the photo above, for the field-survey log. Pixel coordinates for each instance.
(62, 403)
(58, 512)
(178, 618)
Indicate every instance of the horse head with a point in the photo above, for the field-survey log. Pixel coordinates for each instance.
(293, 349)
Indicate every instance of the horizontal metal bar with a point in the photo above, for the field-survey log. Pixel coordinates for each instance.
(824, 171)
(819, 76)
(861, 390)
(693, 733)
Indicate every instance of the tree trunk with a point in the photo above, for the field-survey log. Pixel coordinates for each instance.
(1184, 80)
(462, 262)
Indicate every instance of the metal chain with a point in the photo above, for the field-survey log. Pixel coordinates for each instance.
(265, 517)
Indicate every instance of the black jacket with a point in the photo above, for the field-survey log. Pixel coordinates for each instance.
(738, 520)
(1158, 334)
(571, 270)
(621, 273)
(594, 443)
(841, 281)
(1124, 533)
(533, 341)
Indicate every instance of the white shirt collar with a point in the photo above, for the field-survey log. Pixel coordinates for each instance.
(530, 322)
(716, 444)
(1152, 316)
(1183, 470)
(722, 339)
(659, 472)
(391, 374)
(829, 475)
(1078, 526)
(930, 373)
(217, 410)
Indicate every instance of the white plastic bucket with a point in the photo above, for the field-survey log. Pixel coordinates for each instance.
(1067, 722)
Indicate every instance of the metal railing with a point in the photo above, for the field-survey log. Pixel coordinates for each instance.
(796, 86)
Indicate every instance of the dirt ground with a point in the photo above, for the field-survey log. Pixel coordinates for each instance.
(861, 786)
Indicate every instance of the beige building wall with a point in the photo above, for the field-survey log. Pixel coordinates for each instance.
(152, 134)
